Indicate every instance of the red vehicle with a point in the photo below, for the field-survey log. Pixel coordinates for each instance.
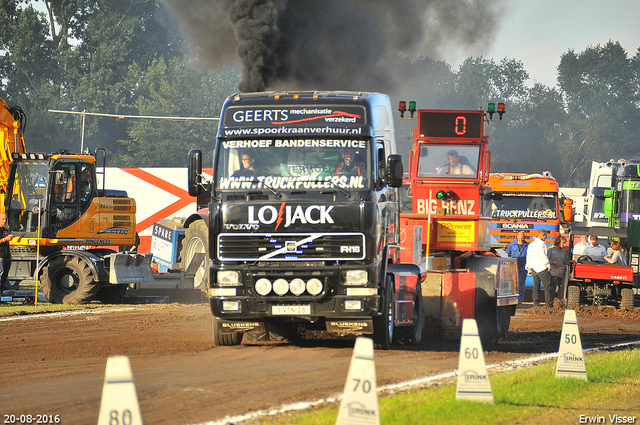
(594, 281)
(448, 178)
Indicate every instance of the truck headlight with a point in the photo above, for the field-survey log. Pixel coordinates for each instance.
(263, 286)
(297, 286)
(356, 277)
(280, 286)
(314, 286)
(228, 278)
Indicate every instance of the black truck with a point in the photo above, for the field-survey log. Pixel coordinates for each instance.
(303, 222)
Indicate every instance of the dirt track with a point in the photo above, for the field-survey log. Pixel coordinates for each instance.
(54, 364)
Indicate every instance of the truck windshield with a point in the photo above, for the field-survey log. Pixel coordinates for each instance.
(29, 184)
(294, 164)
(524, 206)
(448, 160)
(631, 203)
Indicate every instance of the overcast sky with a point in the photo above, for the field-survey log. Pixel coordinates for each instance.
(538, 32)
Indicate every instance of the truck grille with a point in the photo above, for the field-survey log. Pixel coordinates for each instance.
(290, 246)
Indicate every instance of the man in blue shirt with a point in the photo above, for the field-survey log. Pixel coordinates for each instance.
(518, 249)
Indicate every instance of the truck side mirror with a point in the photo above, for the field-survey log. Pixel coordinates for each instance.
(194, 178)
(608, 207)
(394, 170)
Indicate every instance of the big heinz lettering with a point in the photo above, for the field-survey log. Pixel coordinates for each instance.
(461, 207)
(268, 214)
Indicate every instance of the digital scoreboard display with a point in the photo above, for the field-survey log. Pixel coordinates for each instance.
(451, 124)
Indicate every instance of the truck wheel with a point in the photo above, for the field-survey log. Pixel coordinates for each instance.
(279, 331)
(196, 241)
(111, 294)
(223, 339)
(68, 280)
(626, 301)
(573, 297)
(383, 324)
(256, 336)
(412, 335)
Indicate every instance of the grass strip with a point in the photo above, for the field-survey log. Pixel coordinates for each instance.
(530, 395)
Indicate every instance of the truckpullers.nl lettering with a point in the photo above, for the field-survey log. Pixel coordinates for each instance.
(462, 207)
(269, 214)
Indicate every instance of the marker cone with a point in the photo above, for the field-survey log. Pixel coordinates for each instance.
(359, 405)
(570, 357)
(473, 380)
(119, 404)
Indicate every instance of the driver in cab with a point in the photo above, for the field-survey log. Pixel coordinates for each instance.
(351, 164)
(454, 166)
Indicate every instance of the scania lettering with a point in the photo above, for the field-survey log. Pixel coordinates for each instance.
(303, 223)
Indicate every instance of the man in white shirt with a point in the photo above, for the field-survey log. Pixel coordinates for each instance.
(454, 166)
(595, 249)
(539, 267)
(578, 249)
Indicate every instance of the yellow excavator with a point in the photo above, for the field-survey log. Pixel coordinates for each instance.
(65, 227)
(12, 123)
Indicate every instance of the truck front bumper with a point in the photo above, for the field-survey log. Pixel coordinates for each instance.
(339, 306)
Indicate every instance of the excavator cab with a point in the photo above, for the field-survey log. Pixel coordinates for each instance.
(73, 190)
(28, 181)
(59, 193)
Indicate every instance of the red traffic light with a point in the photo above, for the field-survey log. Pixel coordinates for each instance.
(501, 109)
(402, 108)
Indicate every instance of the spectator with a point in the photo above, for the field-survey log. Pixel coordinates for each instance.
(558, 262)
(518, 249)
(538, 267)
(578, 248)
(5, 251)
(617, 257)
(595, 249)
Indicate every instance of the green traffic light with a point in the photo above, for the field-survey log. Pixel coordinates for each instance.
(492, 107)
(412, 105)
(440, 194)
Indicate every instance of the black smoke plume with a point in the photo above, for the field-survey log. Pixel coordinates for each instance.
(331, 44)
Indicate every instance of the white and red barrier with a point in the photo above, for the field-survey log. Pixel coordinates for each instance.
(159, 193)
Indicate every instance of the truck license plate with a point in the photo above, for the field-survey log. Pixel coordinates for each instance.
(290, 309)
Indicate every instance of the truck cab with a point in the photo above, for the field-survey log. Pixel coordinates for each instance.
(449, 168)
(304, 217)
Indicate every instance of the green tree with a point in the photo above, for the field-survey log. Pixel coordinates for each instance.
(600, 86)
(174, 90)
(528, 138)
(81, 56)
(479, 81)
